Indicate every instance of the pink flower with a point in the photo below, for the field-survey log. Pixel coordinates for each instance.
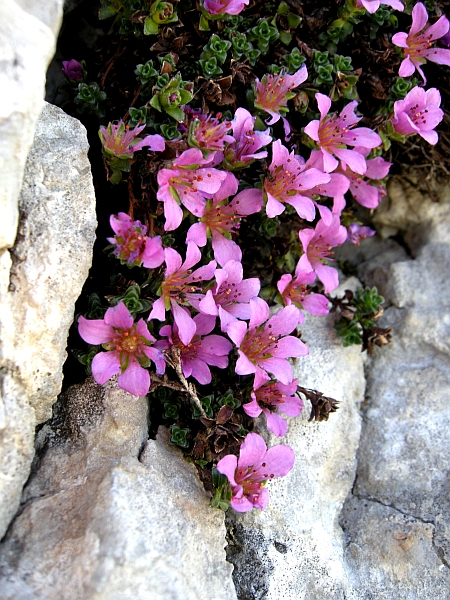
(122, 142)
(230, 297)
(373, 5)
(177, 288)
(265, 345)
(220, 220)
(245, 149)
(295, 291)
(184, 182)
(201, 351)
(248, 474)
(333, 133)
(128, 346)
(272, 398)
(367, 190)
(274, 91)
(357, 232)
(220, 7)
(419, 112)
(132, 245)
(417, 44)
(73, 70)
(335, 188)
(317, 246)
(209, 134)
(288, 178)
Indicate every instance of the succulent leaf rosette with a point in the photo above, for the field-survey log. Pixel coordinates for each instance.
(161, 13)
(171, 97)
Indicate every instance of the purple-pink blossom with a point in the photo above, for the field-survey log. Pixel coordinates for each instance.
(333, 133)
(367, 190)
(202, 351)
(417, 45)
(265, 345)
(419, 112)
(132, 246)
(288, 178)
(248, 143)
(273, 92)
(357, 232)
(221, 7)
(229, 298)
(271, 398)
(73, 70)
(209, 134)
(178, 286)
(220, 219)
(186, 182)
(295, 291)
(129, 349)
(373, 5)
(248, 474)
(122, 142)
(318, 247)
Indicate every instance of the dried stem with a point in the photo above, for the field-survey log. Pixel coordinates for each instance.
(174, 360)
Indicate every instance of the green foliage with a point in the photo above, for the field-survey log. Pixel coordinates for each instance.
(293, 61)
(212, 404)
(268, 227)
(349, 331)
(179, 436)
(210, 67)
(90, 99)
(132, 299)
(170, 94)
(86, 358)
(222, 491)
(217, 48)
(359, 312)
(264, 33)
(400, 87)
(170, 131)
(381, 18)
(161, 13)
(140, 116)
(171, 410)
(95, 308)
(146, 73)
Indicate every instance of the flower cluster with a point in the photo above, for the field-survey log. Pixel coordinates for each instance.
(204, 317)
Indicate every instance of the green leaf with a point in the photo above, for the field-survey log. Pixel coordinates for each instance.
(204, 23)
(106, 11)
(293, 20)
(283, 9)
(116, 177)
(176, 113)
(150, 27)
(285, 37)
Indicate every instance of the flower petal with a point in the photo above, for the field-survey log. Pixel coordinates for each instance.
(119, 317)
(135, 379)
(95, 331)
(104, 366)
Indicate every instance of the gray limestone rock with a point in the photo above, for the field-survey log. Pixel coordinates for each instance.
(397, 520)
(108, 515)
(41, 277)
(28, 31)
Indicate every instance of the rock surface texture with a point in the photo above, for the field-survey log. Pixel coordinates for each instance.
(28, 31)
(41, 279)
(109, 515)
(397, 520)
